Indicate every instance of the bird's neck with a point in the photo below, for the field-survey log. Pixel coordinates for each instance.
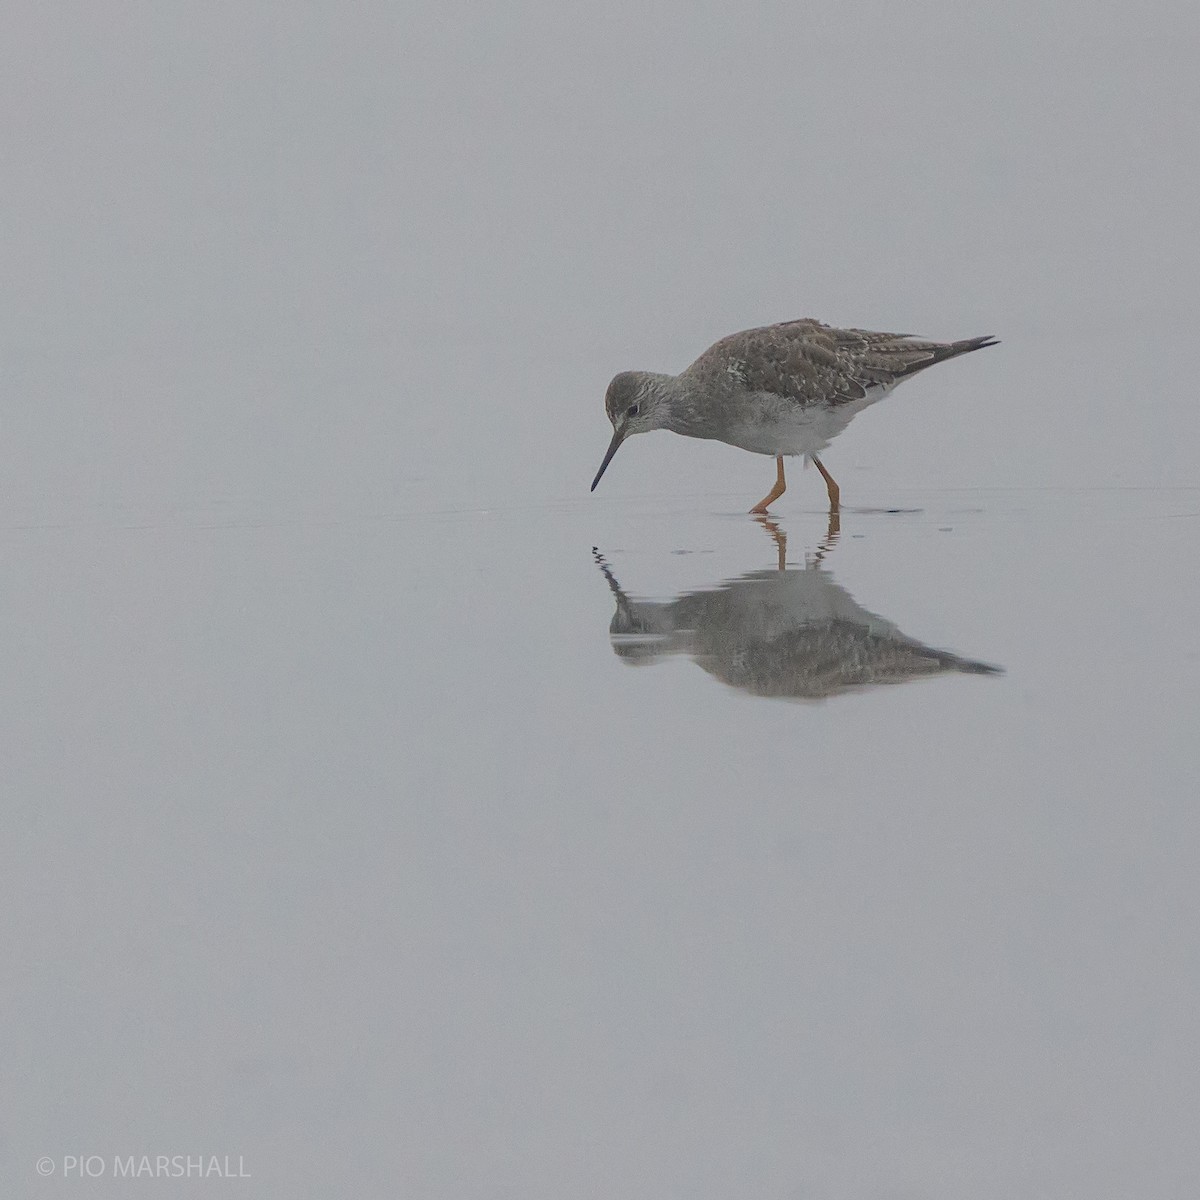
(667, 393)
(660, 387)
(676, 402)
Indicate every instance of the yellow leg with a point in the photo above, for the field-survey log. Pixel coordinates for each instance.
(835, 496)
(777, 491)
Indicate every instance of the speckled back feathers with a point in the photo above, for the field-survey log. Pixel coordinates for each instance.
(812, 363)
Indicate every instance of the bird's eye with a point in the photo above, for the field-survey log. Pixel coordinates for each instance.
(634, 409)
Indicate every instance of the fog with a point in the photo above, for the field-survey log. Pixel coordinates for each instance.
(390, 816)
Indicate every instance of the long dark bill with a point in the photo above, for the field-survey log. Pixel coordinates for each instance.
(613, 447)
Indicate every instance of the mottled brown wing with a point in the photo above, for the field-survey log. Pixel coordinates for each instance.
(886, 358)
(813, 363)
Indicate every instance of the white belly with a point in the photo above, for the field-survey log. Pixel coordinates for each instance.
(772, 425)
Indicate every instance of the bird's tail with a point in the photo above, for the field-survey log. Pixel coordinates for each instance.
(936, 352)
(954, 349)
(967, 667)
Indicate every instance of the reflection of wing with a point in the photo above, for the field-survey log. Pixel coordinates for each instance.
(791, 633)
(816, 661)
(812, 363)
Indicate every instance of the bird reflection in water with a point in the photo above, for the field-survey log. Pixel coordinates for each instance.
(791, 633)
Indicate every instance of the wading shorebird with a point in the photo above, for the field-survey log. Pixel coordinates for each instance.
(782, 390)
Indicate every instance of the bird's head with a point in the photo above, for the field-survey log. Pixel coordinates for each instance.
(634, 404)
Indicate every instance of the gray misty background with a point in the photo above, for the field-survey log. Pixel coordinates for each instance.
(338, 837)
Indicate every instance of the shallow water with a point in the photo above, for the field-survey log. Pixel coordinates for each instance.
(426, 838)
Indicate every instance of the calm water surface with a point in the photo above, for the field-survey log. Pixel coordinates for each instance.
(739, 874)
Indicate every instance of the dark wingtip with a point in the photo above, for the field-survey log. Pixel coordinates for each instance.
(953, 350)
(967, 667)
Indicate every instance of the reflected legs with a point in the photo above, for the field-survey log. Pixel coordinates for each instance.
(779, 537)
(831, 534)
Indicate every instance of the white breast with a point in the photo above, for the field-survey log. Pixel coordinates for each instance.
(774, 425)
